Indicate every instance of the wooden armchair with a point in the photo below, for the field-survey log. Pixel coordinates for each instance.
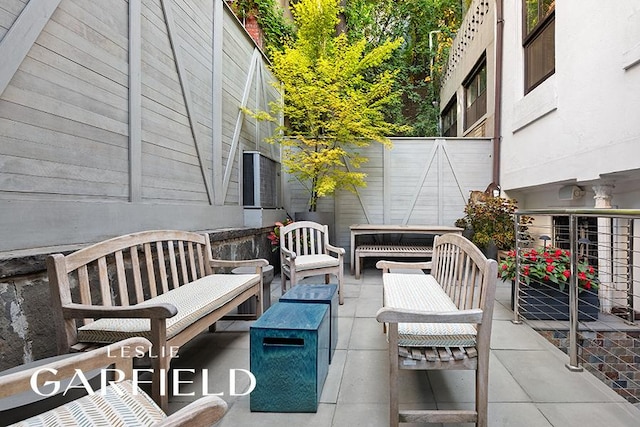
(440, 321)
(305, 251)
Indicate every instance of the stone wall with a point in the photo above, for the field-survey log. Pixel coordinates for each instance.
(26, 326)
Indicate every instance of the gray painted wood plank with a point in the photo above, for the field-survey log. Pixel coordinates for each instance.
(216, 97)
(112, 218)
(26, 115)
(17, 42)
(135, 101)
(50, 104)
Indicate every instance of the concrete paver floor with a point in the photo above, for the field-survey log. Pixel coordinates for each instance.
(529, 384)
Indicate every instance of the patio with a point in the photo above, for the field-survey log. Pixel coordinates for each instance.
(529, 384)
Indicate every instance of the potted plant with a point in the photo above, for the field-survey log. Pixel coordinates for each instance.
(489, 223)
(543, 277)
(333, 101)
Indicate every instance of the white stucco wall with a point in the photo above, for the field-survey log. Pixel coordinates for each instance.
(581, 125)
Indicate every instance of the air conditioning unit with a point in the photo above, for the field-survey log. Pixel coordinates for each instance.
(261, 178)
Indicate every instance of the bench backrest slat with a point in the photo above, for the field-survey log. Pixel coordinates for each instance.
(183, 263)
(162, 267)
(151, 275)
(200, 264)
(85, 290)
(105, 290)
(122, 280)
(172, 265)
(192, 261)
(137, 275)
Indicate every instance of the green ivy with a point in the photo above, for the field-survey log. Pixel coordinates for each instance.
(418, 67)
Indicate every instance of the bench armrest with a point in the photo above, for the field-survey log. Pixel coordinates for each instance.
(335, 249)
(20, 381)
(288, 254)
(203, 412)
(402, 315)
(150, 311)
(386, 265)
(238, 263)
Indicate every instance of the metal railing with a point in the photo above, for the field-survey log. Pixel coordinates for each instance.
(575, 282)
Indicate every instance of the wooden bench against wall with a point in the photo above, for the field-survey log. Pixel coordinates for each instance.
(440, 321)
(395, 251)
(159, 285)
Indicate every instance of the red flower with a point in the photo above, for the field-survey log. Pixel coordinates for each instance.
(582, 276)
(591, 270)
(526, 270)
(558, 252)
(545, 277)
(550, 268)
(504, 266)
(566, 273)
(549, 260)
(587, 285)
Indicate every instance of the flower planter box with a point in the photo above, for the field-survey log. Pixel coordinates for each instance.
(547, 302)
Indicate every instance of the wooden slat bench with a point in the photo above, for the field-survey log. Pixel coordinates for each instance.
(382, 251)
(440, 320)
(159, 285)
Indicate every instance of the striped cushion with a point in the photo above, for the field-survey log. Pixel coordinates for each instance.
(311, 262)
(193, 301)
(415, 292)
(120, 405)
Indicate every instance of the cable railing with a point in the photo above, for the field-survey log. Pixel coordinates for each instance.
(577, 282)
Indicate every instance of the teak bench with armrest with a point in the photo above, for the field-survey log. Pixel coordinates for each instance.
(440, 321)
(120, 403)
(155, 284)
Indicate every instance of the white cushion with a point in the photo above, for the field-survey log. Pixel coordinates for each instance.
(422, 292)
(193, 301)
(311, 262)
(119, 404)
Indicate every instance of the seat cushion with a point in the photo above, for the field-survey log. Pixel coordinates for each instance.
(311, 262)
(119, 404)
(193, 301)
(422, 292)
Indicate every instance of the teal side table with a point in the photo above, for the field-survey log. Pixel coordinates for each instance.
(318, 294)
(289, 357)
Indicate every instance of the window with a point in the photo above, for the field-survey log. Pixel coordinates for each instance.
(450, 119)
(538, 41)
(475, 92)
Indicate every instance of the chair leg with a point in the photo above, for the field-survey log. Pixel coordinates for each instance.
(283, 282)
(394, 407)
(482, 390)
(340, 290)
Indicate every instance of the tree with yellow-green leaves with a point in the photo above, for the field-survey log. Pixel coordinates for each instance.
(333, 105)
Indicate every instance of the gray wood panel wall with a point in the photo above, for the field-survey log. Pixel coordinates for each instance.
(418, 181)
(118, 116)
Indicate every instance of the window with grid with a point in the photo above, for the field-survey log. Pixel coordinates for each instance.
(538, 41)
(475, 91)
(450, 119)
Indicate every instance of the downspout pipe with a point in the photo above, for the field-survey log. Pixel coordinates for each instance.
(497, 113)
